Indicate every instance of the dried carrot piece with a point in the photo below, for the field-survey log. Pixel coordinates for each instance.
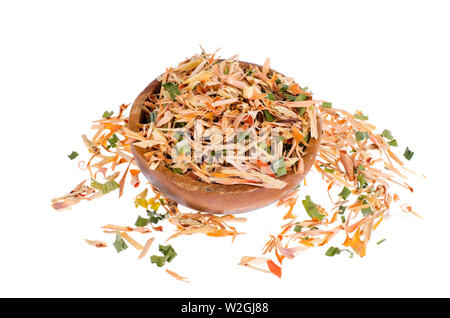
(274, 268)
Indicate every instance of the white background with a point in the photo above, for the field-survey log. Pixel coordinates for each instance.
(63, 63)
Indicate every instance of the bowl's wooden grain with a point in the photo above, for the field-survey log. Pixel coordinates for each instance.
(212, 198)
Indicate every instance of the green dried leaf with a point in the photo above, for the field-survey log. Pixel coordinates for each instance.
(408, 154)
(112, 142)
(268, 116)
(379, 242)
(393, 143)
(155, 217)
(361, 181)
(172, 89)
(361, 116)
(333, 251)
(96, 185)
(311, 209)
(387, 134)
(158, 260)
(329, 170)
(73, 155)
(107, 114)
(168, 252)
(345, 193)
(110, 186)
(141, 221)
(279, 167)
(336, 251)
(301, 98)
(119, 243)
(366, 211)
(177, 170)
(153, 116)
(361, 135)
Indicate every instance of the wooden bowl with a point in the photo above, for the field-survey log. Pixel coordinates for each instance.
(212, 198)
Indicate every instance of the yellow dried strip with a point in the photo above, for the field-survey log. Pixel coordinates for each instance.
(130, 240)
(176, 276)
(146, 248)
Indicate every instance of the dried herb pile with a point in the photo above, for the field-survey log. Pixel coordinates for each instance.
(356, 162)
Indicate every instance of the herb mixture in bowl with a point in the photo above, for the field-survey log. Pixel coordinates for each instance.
(228, 122)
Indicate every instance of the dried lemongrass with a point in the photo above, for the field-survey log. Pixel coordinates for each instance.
(146, 248)
(96, 243)
(132, 241)
(176, 276)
